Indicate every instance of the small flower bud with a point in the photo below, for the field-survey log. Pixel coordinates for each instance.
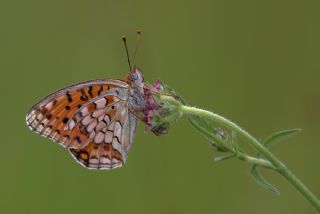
(162, 108)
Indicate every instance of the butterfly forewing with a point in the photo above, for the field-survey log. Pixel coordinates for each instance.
(50, 116)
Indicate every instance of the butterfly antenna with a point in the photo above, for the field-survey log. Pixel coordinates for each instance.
(124, 39)
(137, 45)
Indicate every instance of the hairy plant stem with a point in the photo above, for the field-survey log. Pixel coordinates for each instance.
(276, 164)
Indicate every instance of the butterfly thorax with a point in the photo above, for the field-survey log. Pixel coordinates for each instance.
(136, 99)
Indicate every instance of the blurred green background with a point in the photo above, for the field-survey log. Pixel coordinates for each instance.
(255, 62)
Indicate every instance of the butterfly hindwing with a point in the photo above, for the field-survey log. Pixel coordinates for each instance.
(109, 145)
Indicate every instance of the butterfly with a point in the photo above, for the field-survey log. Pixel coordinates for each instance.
(95, 120)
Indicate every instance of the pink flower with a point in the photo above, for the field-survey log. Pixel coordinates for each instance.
(157, 114)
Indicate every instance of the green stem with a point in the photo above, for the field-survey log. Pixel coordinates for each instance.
(277, 164)
(253, 160)
(240, 155)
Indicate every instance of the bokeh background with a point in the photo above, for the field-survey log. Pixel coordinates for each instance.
(255, 62)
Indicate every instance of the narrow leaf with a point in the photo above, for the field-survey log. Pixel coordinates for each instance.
(261, 180)
(278, 136)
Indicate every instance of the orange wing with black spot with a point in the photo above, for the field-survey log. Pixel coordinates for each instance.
(51, 116)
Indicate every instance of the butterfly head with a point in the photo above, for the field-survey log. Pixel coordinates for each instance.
(135, 76)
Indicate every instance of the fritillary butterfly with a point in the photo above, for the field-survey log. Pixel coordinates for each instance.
(95, 120)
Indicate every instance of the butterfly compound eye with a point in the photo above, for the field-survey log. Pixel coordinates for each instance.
(134, 76)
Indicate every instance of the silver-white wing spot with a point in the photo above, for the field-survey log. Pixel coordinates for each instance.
(99, 137)
(108, 137)
(117, 129)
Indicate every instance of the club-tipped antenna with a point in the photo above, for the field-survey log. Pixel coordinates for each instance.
(124, 39)
(137, 45)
